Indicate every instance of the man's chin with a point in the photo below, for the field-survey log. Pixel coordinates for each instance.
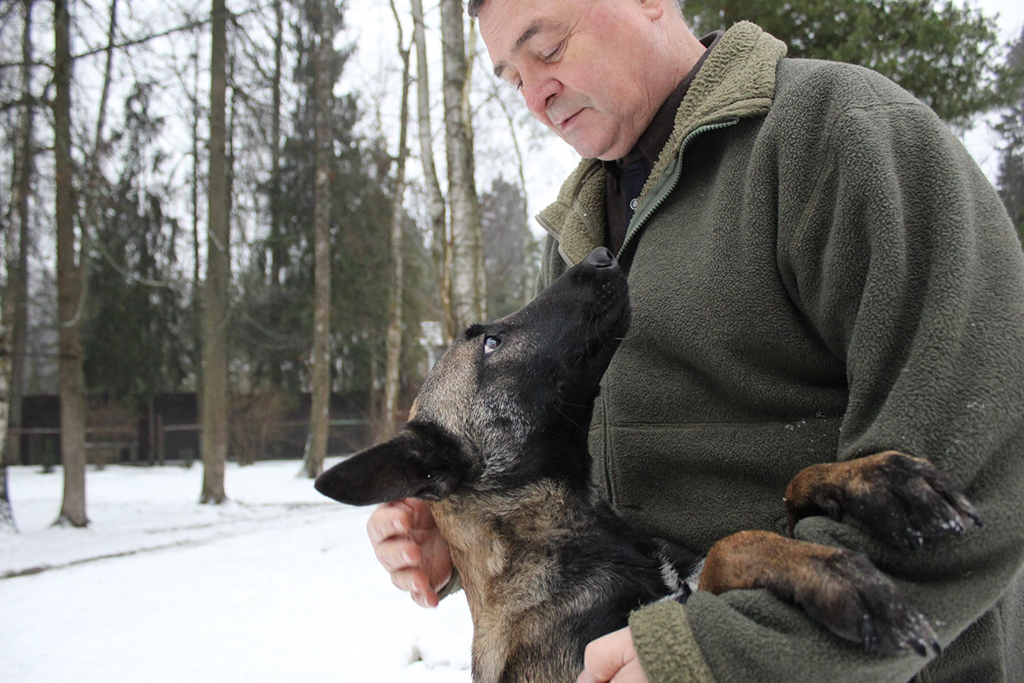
(591, 149)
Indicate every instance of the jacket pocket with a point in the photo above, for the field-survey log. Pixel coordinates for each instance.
(697, 483)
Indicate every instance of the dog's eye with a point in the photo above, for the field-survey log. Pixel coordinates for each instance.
(491, 343)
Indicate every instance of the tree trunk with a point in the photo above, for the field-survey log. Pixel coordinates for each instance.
(393, 345)
(319, 419)
(438, 219)
(6, 515)
(69, 284)
(278, 255)
(469, 284)
(215, 315)
(94, 180)
(197, 281)
(18, 244)
(7, 524)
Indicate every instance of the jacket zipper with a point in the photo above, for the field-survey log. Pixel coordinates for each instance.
(677, 171)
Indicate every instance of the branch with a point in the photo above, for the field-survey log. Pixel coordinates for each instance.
(132, 42)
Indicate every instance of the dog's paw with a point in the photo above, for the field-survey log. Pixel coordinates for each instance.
(902, 500)
(857, 602)
(840, 589)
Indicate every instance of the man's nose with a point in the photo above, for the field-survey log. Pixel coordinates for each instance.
(538, 93)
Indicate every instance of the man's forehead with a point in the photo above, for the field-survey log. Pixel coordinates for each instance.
(508, 25)
(535, 27)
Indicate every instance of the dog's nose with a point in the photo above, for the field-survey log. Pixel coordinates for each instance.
(600, 258)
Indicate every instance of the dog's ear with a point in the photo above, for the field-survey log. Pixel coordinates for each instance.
(420, 462)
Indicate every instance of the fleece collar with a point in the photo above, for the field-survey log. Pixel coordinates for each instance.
(737, 81)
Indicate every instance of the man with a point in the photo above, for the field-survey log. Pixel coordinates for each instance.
(818, 272)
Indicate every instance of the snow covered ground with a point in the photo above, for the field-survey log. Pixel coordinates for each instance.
(278, 585)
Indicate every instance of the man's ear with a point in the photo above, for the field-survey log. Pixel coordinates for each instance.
(420, 462)
(653, 9)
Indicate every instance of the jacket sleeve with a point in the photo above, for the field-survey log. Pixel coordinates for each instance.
(907, 266)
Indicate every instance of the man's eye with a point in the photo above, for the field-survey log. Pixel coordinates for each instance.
(552, 53)
(491, 343)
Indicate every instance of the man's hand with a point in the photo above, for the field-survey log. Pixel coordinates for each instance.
(612, 659)
(407, 543)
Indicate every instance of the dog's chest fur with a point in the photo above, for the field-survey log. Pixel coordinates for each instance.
(506, 548)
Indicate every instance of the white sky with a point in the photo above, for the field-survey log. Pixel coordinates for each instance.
(1011, 15)
(981, 141)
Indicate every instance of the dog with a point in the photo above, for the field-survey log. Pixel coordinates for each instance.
(497, 443)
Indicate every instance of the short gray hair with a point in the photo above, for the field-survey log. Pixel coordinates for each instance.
(473, 8)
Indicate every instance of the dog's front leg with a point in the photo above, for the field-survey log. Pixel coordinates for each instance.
(900, 499)
(840, 589)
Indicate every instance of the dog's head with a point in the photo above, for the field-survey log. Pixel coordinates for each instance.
(508, 403)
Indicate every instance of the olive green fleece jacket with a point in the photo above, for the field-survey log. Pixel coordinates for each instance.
(818, 271)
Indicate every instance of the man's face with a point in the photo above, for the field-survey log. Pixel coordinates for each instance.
(583, 66)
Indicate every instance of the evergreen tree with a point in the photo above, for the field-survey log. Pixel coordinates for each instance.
(134, 336)
(511, 253)
(1011, 126)
(939, 51)
(275, 325)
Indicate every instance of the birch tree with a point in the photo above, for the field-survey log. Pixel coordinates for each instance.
(438, 211)
(6, 516)
(197, 281)
(18, 242)
(215, 314)
(469, 284)
(393, 343)
(277, 251)
(69, 283)
(322, 16)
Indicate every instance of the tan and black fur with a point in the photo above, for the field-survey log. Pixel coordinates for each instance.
(498, 445)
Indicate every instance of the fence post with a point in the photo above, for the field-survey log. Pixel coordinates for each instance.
(160, 439)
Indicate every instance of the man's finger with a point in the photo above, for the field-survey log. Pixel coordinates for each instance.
(398, 553)
(416, 583)
(411, 580)
(387, 521)
(607, 656)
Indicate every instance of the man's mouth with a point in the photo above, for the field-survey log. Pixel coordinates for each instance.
(567, 121)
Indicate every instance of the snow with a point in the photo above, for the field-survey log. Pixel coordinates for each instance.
(279, 584)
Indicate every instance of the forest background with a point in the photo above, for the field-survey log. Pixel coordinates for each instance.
(287, 208)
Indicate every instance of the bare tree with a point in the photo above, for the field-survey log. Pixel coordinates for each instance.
(438, 211)
(94, 180)
(393, 343)
(218, 272)
(69, 283)
(469, 284)
(99, 148)
(6, 516)
(197, 281)
(277, 252)
(323, 101)
(19, 234)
